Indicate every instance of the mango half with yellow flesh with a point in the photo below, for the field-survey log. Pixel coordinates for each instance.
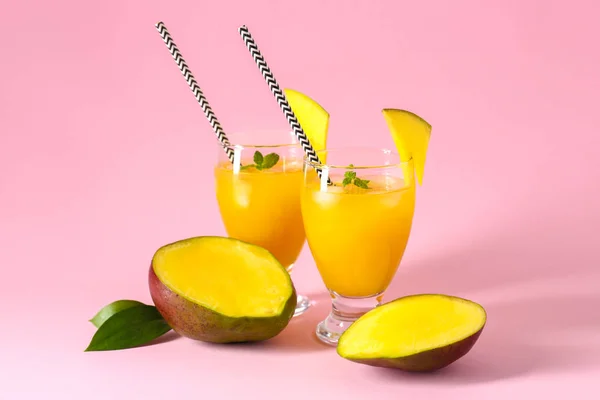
(221, 290)
(313, 119)
(417, 333)
(411, 135)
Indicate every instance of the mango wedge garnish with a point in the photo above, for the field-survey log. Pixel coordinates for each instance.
(411, 135)
(313, 119)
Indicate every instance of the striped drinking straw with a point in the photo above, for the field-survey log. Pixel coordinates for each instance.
(281, 99)
(189, 77)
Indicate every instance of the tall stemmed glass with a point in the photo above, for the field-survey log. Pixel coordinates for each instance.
(357, 227)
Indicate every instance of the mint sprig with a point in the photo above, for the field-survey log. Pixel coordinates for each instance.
(350, 178)
(263, 162)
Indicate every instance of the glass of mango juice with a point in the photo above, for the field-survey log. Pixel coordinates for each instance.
(357, 217)
(259, 197)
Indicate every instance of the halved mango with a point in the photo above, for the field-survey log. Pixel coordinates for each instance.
(411, 135)
(414, 333)
(221, 290)
(313, 118)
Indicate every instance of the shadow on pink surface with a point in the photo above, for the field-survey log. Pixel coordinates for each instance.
(300, 333)
(527, 253)
(541, 297)
(166, 338)
(521, 337)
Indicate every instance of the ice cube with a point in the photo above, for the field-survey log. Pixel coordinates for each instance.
(242, 192)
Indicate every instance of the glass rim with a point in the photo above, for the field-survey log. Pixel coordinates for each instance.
(243, 143)
(261, 146)
(381, 150)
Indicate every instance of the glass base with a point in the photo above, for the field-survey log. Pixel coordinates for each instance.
(302, 305)
(345, 310)
(303, 302)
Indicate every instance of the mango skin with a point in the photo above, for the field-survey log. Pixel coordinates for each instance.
(200, 323)
(427, 361)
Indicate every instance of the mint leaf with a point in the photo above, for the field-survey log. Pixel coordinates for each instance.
(243, 167)
(361, 184)
(258, 158)
(265, 162)
(350, 177)
(129, 328)
(108, 311)
(270, 160)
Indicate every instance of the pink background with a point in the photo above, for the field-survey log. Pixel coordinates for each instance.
(105, 155)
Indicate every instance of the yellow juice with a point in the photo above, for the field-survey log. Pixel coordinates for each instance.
(263, 208)
(356, 236)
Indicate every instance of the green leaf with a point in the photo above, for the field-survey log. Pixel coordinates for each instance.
(270, 160)
(346, 181)
(111, 309)
(129, 328)
(361, 184)
(350, 174)
(243, 167)
(258, 158)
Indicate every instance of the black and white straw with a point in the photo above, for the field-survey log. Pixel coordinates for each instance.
(189, 77)
(280, 97)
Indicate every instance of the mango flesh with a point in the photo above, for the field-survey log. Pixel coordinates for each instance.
(417, 333)
(411, 135)
(312, 117)
(221, 290)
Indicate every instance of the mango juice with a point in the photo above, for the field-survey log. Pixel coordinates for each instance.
(262, 207)
(358, 236)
